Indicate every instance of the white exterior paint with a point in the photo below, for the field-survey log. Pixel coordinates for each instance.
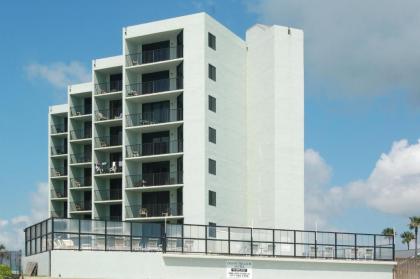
(125, 265)
(275, 122)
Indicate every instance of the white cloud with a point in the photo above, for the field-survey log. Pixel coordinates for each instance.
(59, 74)
(356, 48)
(393, 186)
(11, 231)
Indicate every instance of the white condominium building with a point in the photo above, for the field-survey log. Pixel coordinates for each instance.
(191, 124)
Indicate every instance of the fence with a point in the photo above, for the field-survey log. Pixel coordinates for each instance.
(407, 269)
(12, 259)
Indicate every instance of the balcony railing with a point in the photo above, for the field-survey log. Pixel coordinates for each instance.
(58, 194)
(108, 87)
(154, 179)
(108, 195)
(115, 218)
(106, 114)
(154, 86)
(58, 150)
(58, 214)
(154, 210)
(156, 148)
(80, 134)
(76, 234)
(80, 158)
(108, 141)
(57, 172)
(81, 206)
(154, 117)
(78, 182)
(80, 110)
(58, 129)
(105, 167)
(152, 56)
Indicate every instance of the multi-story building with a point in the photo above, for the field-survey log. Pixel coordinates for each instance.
(191, 124)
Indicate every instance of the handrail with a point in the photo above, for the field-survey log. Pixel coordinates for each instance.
(154, 86)
(154, 179)
(155, 55)
(154, 148)
(154, 117)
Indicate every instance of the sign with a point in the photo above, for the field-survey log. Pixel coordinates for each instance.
(239, 269)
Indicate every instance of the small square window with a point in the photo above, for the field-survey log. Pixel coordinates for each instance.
(212, 166)
(212, 198)
(212, 229)
(212, 72)
(212, 103)
(212, 41)
(212, 135)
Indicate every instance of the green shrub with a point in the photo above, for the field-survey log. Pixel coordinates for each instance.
(5, 271)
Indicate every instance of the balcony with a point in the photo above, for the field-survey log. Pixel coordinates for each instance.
(80, 206)
(107, 115)
(58, 214)
(81, 134)
(59, 150)
(80, 111)
(156, 179)
(108, 87)
(58, 195)
(154, 149)
(58, 129)
(58, 172)
(154, 56)
(154, 86)
(109, 218)
(108, 142)
(108, 196)
(81, 158)
(105, 168)
(162, 210)
(157, 117)
(80, 182)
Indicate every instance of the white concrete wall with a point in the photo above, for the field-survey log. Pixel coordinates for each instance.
(124, 265)
(275, 122)
(43, 261)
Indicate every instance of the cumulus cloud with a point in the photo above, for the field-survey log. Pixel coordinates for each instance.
(11, 231)
(355, 48)
(393, 187)
(59, 74)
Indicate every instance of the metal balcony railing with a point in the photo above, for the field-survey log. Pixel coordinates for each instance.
(58, 214)
(80, 110)
(58, 129)
(156, 148)
(107, 141)
(154, 117)
(78, 182)
(154, 210)
(155, 55)
(114, 218)
(58, 150)
(57, 172)
(106, 114)
(80, 158)
(81, 206)
(58, 194)
(108, 87)
(154, 86)
(154, 179)
(80, 134)
(105, 167)
(108, 195)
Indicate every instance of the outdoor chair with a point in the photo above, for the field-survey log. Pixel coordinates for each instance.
(143, 212)
(113, 168)
(100, 116)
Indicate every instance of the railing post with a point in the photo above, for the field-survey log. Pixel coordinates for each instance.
(79, 224)
(228, 240)
(205, 237)
(252, 244)
(335, 245)
(374, 247)
(393, 248)
(316, 246)
(131, 236)
(106, 237)
(294, 243)
(355, 246)
(274, 244)
(52, 233)
(182, 238)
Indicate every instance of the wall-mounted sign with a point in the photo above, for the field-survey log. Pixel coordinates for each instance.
(238, 269)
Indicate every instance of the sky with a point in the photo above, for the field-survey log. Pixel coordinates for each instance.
(362, 97)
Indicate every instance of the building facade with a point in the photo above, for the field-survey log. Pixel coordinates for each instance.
(191, 124)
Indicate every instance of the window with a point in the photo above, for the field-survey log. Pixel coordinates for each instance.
(212, 72)
(212, 198)
(212, 135)
(212, 166)
(212, 229)
(212, 41)
(212, 103)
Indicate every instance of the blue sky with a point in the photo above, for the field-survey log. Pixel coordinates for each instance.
(360, 98)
